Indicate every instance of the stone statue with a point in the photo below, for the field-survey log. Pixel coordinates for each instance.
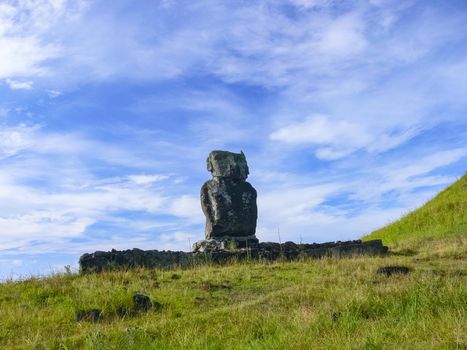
(228, 201)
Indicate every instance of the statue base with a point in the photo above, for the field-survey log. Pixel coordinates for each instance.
(225, 243)
(219, 251)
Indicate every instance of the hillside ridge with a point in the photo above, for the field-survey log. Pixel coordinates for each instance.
(442, 216)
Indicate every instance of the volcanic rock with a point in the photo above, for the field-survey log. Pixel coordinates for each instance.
(228, 201)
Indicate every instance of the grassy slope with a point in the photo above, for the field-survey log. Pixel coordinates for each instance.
(443, 216)
(317, 304)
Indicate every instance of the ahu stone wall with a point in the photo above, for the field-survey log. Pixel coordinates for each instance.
(224, 252)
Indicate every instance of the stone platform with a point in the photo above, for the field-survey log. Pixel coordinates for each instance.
(222, 252)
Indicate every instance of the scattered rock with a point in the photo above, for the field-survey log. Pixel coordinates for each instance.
(157, 306)
(122, 311)
(92, 315)
(393, 270)
(335, 316)
(176, 277)
(141, 302)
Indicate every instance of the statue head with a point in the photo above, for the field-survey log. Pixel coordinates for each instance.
(228, 164)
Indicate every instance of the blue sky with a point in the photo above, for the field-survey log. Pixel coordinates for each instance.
(350, 113)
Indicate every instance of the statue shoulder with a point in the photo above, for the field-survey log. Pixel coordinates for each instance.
(250, 186)
(207, 186)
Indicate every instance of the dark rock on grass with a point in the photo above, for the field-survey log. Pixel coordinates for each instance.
(156, 305)
(176, 277)
(393, 270)
(92, 315)
(141, 302)
(335, 316)
(123, 311)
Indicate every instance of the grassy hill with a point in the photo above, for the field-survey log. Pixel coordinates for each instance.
(443, 216)
(314, 304)
(309, 304)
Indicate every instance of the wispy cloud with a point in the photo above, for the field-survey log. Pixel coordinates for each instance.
(19, 85)
(347, 206)
(48, 198)
(147, 179)
(338, 139)
(15, 139)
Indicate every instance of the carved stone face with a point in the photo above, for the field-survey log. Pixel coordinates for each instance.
(228, 164)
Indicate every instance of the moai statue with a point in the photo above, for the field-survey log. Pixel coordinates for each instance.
(228, 201)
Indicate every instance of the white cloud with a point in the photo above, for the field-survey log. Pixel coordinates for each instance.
(50, 196)
(15, 139)
(178, 240)
(147, 179)
(300, 212)
(54, 93)
(42, 216)
(344, 36)
(23, 56)
(320, 129)
(254, 43)
(19, 85)
(11, 262)
(187, 207)
(310, 4)
(339, 138)
(32, 139)
(25, 37)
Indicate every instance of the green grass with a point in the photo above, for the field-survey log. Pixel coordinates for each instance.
(314, 304)
(309, 304)
(443, 216)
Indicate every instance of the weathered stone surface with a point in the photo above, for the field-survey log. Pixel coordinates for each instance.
(141, 302)
(228, 165)
(228, 201)
(99, 261)
(221, 254)
(225, 243)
